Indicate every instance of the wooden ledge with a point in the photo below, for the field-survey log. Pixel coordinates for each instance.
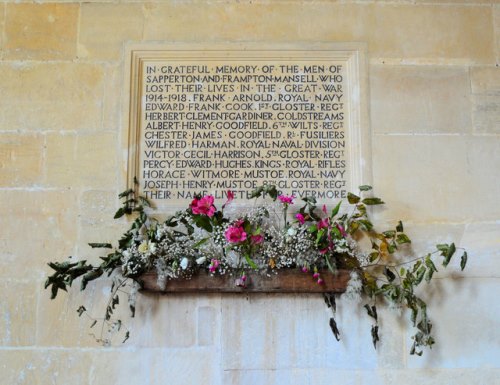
(286, 281)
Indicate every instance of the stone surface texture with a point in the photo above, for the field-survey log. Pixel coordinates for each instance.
(434, 105)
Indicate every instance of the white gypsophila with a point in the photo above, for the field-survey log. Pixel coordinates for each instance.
(354, 287)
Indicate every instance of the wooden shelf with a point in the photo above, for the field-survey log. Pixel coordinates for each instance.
(286, 281)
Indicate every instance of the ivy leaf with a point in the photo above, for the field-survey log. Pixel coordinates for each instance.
(399, 227)
(448, 254)
(463, 261)
(101, 245)
(374, 256)
(335, 211)
(330, 301)
(389, 274)
(272, 191)
(389, 234)
(257, 192)
(125, 193)
(81, 310)
(366, 224)
(335, 330)
(90, 276)
(365, 187)
(420, 275)
(375, 337)
(402, 238)
(144, 201)
(352, 199)
(372, 311)
(373, 201)
(115, 301)
(119, 213)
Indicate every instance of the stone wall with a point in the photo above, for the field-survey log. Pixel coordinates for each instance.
(435, 114)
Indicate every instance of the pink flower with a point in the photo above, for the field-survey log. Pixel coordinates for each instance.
(286, 199)
(320, 281)
(256, 239)
(305, 269)
(214, 264)
(342, 230)
(323, 224)
(316, 275)
(324, 209)
(324, 251)
(235, 234)
(230, 197)
(203, 206)
(300, 218)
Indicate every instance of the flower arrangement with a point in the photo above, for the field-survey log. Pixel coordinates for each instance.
(264, 239)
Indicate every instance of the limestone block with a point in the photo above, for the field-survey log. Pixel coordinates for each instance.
(207, 325)
(51, 96)
(2, 23)
(45, 218)
(59, 324)
(81, 161)
(186, 366)
(423, 33)
(20, 160)
(485, 80)
(291, 376)
(278, 332)
(225, 21)
(486, 113)
(411, 99)
(17, 313)
(41, 31)
(482, 240)
(121, 366)
(112, 98)
(96, 223)
(105, 27)
(466, 314)
(41, 367)
(496, 21)
(432, 377)
(453, 182)
(164, 321)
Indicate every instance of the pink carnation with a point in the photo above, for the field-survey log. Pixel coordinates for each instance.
(287, 199)
(300, 218)
(256, 239)
(235, 234)
(203, 206)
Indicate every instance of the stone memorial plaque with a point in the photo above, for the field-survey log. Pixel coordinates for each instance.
(235, 117)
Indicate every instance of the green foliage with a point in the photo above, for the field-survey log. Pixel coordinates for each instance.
(384, 278)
